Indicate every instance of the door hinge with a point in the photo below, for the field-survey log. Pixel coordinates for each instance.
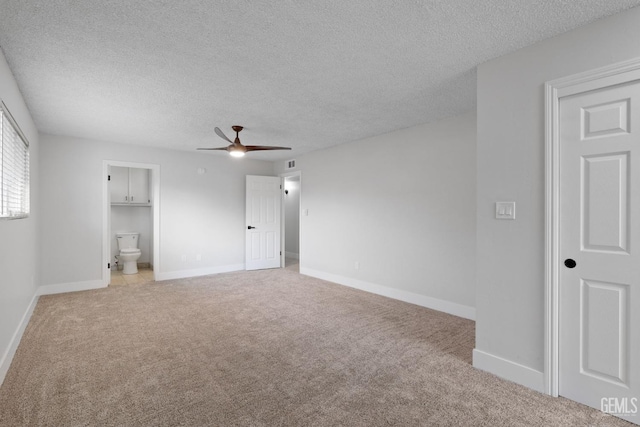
(108, 265)
(108, 177)
(281, 186)
(280, 253)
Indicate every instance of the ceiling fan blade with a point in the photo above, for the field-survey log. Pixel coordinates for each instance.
(222, 135)
(264, 148)
(220, 148)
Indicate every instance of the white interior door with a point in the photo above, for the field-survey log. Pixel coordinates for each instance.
(263, 222)
(600, 249)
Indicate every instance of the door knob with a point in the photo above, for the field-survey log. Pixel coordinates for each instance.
(250, 228)
(569, 263)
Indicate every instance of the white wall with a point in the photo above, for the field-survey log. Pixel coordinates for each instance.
(402, 205)
(292, 217)
(199, 213)
(132, 218)
(19, 275)
(510, 254)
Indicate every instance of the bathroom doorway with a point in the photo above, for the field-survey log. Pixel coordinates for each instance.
(291, 220)
(131, 193)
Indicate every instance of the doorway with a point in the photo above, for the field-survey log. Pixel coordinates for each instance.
(291, 199)
(131, 196)
(593, 225)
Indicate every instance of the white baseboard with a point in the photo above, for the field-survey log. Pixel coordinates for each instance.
(422, 300)
(291, 255)
(182, 274)
(7, 357)
(509, 370)
(60, 288)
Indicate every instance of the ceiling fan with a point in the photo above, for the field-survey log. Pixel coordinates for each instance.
(236, 149)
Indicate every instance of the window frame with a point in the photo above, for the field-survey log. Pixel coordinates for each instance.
(6, 118)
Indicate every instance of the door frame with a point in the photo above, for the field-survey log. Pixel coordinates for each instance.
(106, 214)
(282, 216)
(610, 75)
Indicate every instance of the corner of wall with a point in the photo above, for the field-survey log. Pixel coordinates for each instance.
(508, 370)
(398, 294)
(7, 357)
(61, 288)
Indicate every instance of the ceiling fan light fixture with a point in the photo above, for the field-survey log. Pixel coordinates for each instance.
(236, 152)
(236, 149)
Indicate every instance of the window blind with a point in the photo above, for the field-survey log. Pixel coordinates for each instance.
(14, 168)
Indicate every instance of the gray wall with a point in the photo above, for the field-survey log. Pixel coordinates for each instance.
(510, 254)
(401, 204)
(199, 213)
(19, 255)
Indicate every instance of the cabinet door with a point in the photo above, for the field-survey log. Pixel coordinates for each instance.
(139, 185)
(119, 184)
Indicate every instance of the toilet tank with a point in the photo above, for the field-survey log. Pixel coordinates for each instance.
(127, 240)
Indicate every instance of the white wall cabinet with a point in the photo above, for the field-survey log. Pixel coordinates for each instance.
(129, 186)
(119, 184)
(139, 185)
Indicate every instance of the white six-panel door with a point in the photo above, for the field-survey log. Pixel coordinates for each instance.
(263, 222)
(600, 247)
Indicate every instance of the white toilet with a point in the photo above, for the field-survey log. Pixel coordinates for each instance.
(129, 252)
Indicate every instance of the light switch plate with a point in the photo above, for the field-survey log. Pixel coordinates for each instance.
(505, 210)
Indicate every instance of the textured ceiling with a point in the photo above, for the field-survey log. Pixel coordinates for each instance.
(305, 74)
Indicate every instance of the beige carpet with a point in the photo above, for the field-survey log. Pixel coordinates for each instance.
(266, 348)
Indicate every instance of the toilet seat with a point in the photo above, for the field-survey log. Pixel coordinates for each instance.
(129, 251)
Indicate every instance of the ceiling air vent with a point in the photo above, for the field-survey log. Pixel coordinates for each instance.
(290, 164)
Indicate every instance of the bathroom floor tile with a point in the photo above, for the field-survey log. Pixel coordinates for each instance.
(117, 281)
(144, 275)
